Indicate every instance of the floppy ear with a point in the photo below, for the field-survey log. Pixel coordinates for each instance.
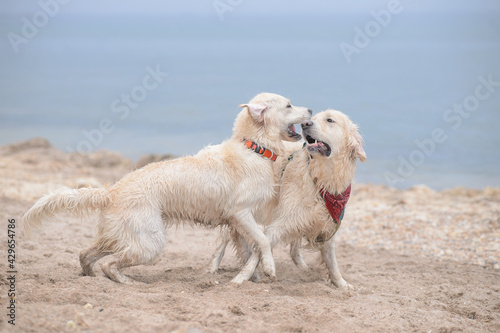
(256, 110)
(359, 152)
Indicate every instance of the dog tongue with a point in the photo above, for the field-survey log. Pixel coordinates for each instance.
(291, 128)
(317, 144)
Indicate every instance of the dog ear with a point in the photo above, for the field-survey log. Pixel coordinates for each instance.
(256, 110)
(359, 152)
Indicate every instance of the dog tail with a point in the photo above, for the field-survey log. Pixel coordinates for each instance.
(78, 202)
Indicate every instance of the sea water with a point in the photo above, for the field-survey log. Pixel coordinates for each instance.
(70, 83)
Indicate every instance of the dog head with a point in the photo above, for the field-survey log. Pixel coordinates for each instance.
(331, 133)
(277, 115)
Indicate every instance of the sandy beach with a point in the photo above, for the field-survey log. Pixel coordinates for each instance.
(419, 260)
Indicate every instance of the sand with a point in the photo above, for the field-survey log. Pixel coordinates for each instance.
(419, 261)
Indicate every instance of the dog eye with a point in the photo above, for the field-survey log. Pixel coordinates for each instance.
(289, 106)
(330, 120)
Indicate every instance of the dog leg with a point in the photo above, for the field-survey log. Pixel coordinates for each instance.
(139, 247)
(249, 259)
(113, 269)
(275, 231)
(273, 235)
(88, 258)
(328, 254)
(245, 224)
(297, 255)
(247, 271)
(120, 261)
(219, 253)
(244, 252)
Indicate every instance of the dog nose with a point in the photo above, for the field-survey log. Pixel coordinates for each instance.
(307, 123)
(310, 111)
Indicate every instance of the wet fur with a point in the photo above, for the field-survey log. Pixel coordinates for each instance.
(301, 211)
(222, 184)
(231, 237)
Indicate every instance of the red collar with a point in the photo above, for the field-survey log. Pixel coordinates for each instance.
(260, 150)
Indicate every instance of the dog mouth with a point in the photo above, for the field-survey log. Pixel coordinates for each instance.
(292, 133)
(315, 146)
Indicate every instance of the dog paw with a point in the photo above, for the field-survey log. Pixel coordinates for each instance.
(211, 270)
(268, 268)
(342, 284)
(348, 287)
(256, 277)
(87, 273)
(237, 281)
(272, 277)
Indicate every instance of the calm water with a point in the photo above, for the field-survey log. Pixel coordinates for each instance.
(76, 70)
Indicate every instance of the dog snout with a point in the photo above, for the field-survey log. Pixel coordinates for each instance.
(306, 124)
(310, 111)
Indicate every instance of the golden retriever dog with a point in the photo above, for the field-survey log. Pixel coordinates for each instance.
(222, 184)
(315, 187)
(241, 247)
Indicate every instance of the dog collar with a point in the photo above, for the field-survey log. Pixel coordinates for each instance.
(260, 150)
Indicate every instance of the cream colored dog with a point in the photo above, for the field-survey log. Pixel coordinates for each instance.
(315, 188)
(242, 248)
(222, 184)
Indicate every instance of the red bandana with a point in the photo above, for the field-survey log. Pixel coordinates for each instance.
(336, 203)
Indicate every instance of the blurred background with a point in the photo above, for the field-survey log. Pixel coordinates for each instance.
(420, 78)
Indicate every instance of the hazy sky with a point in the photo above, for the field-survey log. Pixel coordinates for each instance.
(244, 7)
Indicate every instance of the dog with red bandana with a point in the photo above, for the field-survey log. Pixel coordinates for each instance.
(316, 186)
